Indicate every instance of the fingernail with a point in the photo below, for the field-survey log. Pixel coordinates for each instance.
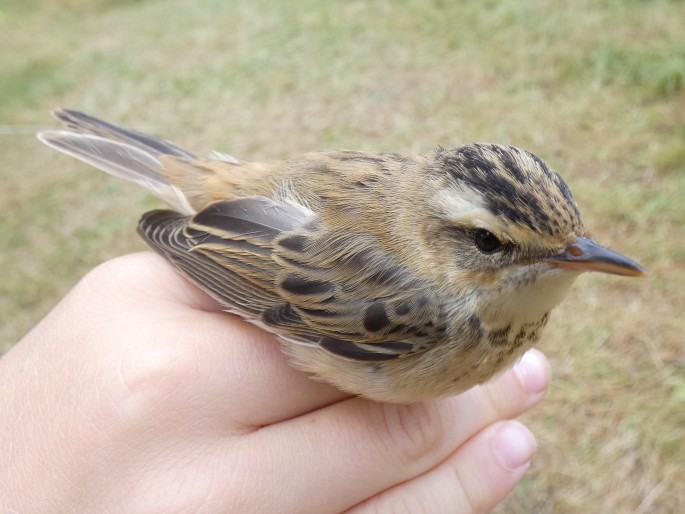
(513, 445)
(533, 372)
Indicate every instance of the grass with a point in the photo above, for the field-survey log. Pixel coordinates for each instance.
(595, 88)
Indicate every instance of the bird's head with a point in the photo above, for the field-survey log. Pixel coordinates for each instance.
(513, 230)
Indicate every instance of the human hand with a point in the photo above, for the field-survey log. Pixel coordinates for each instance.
(135, 394)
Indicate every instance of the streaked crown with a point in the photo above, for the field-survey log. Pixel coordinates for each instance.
(515, 185)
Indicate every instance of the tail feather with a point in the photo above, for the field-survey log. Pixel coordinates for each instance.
(86, 124)
(120, 152)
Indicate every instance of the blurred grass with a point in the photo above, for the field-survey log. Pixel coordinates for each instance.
(597, 88)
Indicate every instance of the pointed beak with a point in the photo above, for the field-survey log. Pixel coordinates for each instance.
(586, 255)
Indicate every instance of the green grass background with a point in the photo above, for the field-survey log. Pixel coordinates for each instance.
(596, 88)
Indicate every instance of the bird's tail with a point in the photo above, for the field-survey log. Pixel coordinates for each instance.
(121, 152)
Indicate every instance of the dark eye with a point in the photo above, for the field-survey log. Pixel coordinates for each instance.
(486, 241)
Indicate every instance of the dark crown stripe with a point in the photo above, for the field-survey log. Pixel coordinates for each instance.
(516, 184)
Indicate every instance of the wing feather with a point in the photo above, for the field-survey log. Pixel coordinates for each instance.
(277, 265)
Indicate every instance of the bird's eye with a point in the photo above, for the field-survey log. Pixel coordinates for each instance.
(486, 241)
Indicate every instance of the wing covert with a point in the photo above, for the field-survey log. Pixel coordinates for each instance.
(277, 265)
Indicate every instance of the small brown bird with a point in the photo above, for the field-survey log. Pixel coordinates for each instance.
(394, 277)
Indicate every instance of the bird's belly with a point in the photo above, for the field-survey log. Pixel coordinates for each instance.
(443, 370)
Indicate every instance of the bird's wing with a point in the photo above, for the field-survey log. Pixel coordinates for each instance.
(275, 264)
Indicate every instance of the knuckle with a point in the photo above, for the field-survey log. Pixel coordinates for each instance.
(416, 504)
(420, 499)
(462, 496)
(118, 274)
(502, 397)
(158, 370)
(145, 385)
(414, 430)
(132, 265)
(154, 376)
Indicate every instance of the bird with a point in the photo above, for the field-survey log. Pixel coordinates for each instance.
(395, 277)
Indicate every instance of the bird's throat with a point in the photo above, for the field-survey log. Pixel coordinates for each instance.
(523, 302)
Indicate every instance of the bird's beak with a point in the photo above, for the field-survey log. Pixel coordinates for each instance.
(586, 255)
